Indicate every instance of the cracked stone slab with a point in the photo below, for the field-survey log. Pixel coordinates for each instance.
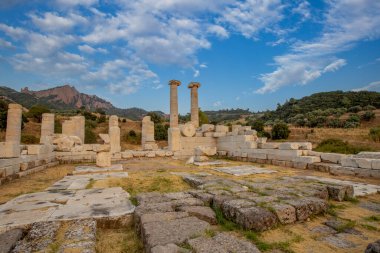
(210, 163)
(360, 189)
(95, 169)
(244, 170)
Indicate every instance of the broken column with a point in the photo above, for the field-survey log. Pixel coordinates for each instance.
(114, 133)
(147, 134)
(47, 128)
(194, 103)
(103, 154)
(74, 127)
(174, 131)
(11, 146)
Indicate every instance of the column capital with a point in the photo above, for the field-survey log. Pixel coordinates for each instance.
(194, 84)
(174, 82)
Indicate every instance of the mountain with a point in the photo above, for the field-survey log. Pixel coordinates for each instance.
(66, 97)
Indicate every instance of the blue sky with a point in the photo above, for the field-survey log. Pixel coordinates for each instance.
(247, 54)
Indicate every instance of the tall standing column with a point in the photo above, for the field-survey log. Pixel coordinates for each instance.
(114, 133)
(47, 128)
(13, 134)
(194, 103)
(174, 102)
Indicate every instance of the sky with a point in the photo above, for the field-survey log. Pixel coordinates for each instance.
(246, 54)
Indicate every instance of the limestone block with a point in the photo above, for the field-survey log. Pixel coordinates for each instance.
(300, 165)
(314, 153)
(103, 159)
(288, 145)
(222, 153)
(250, 132)
(169, 153)
(244, 154)
(138, 153)
(103, 148)
(47, 128)
(364, 163)
(376, 164)
(348, 161)
(88, 147)
(160, 153)
(305, 145)
(219, 134)
(127, 154)
(245, 128)
(198, 134)
(249, 145)
(236, 128)
(74, 127)
(307, 159)
(339, 170)
(208, 128)
(332, 157)
(200, 158)
(205, 151)
(174, 137)
(257, 156)
(188, 129)
(66, 143)
(371, 155)
(261, 140)
(150, 146)
(221, 129)
(270, 145)
(14, 119)
(9, 149)
(37, 149)
(150, 154)
(208, 134)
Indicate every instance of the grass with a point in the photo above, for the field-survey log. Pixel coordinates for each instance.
(90, 184)
(346, 225)
(374, 218)
(339, 146)
(353, 200)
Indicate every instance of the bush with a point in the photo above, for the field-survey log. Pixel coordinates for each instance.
(339, 146)
(91, 124)
(29, 139)
(264, 134)
(3, 120)
(374, 134)
(368, 116)
(203, 118)
(36, 112)
(157, 119)
(160, 132)
(132, 137)
(89, 116)
(280, 131)
(369, 108)
(335, 123)
(89, 136)
(354, 118)
(351, 124)
(102, 119)
(124, 120)
(257, 125)
(355, 109)
(57, 126)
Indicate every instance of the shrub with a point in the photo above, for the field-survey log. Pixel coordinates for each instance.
(160, 132)
(29, 139)
(124, 120)
(369, 108)
(374, 134)
(351, 124)
(3, 120)
(335, 123)
(36, 112)
(57, 126)
(354, 118)
(280, 131)
(102, 119)
(89, 116)
(339, 146)
(89, 136)
(355, 109)
(90, 124)
(368, 116)
(257, 125)
(132, 137)
(264, 134)
(157, 119)
(203, 118)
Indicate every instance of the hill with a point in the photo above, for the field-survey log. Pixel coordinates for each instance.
(227, 115)
(66, 98)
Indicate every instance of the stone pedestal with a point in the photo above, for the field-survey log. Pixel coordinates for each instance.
(47, 128)
(147, 134)
(194, 103)
(11, 147)
(114, 134)
(103, 159)
(174, 103)
(174, 139)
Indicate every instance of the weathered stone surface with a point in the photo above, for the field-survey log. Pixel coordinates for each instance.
(103, 159)
(206, 245)
(255, 218)
(288, 145)
(74, 127)
(66, 143)
(205, 151)
(9, 239)
(339, 241)
(332, 157)
(234, 244)
(204, 213)
(349, 161)
(308, 206)
(245, 170)
(340, 192)
(208, 128)
(373, 247)
(174, 231)
(169, 248)
(371, 155)
(286, 214)
(221, 129)
(188, 129)
(159, 216)
(174, 137)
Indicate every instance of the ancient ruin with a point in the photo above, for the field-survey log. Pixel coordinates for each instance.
(226, 168)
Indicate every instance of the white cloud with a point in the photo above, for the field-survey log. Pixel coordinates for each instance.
(217, 104)
(346, 22)
(52, 22)
(90, 50)
(6, 44)
(203, 65)
(374, 86)
(219, 31)
(71, 3)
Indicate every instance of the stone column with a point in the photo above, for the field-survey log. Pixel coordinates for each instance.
(74, 127)
(11, 147)
(114, 133)
(174, 102)
(47, 128)
(147, 134)
(194, 103)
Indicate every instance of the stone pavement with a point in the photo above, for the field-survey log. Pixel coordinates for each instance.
(245, 170)
(69, 199)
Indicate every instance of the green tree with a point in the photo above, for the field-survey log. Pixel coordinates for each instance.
(157, 119)
(161, 132)
(280, 130)
(36, 112)
(257, 125)
(203, 118)
(368, 116)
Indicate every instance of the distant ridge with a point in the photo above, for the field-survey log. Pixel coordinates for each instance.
(67, 97)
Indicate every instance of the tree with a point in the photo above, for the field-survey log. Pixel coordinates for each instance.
(368, 116)
(36, 112)
(257, 125)
(157, 119)
(280, 131)
(161, 132)
(203, 118)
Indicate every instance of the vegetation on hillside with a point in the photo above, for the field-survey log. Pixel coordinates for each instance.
(339, 146)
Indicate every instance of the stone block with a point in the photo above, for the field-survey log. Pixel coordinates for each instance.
(314, 153)
(370, 155)
(255, 218)
(207, 128)
(340, 170)
(349, 161)
(188, 129)
(257, 155)
(127, 154)
(340, 192)
(174, 137)
(288, 145)
(103, 159)
(364, 163)
(307, 159)
(160, 153)
(208, 134)
(376, 164)
(218, 134)
(150, 146)
(169, 153)
(300, 165)
(205, 151)
(286, 214)
(262, 140)
(332, 157)
(9, 150)
(37, 149)
(150, 154)
(204, 213)
(221, 129)
(236, 128)
(270, 145)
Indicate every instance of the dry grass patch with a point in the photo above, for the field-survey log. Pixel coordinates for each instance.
(34, 182)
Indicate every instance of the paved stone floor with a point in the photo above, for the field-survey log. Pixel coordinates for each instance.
(237, 208)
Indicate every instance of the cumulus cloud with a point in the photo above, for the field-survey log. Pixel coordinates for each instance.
(345, 23)
(374, 86)
(71, 3)
(52, 22)
(217, 104)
